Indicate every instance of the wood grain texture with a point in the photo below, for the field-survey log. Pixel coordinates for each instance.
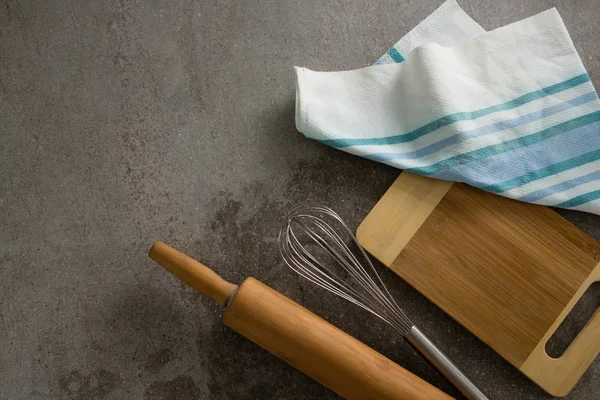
(507, 271)
(191, 272)
(568, 368)
(319, 349)
(399, 214)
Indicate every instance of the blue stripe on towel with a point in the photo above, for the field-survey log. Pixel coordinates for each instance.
(553, 169)
(508, 146)
(579, 200)
(484, 130)
(460, 116)
(560, 187)
(541, 173)
(395, 55)
(530, 163)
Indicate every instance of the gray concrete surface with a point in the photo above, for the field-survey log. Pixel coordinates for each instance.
(126, 122)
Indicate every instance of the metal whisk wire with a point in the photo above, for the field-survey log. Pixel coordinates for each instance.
(369, 291)
(305, 226)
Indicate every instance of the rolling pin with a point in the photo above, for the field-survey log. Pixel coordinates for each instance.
(302, 339)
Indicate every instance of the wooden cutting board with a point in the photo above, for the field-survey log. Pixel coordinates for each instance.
(507, 271)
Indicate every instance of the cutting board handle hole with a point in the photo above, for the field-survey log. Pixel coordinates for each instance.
(574, 322)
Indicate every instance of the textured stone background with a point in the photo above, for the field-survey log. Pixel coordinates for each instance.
(127, 122)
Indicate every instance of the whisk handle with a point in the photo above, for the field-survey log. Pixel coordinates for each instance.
(190, 271)
(431, 353)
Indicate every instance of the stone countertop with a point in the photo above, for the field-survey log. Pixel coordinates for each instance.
(126, 122)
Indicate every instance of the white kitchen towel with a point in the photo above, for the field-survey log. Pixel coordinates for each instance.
(511, 111)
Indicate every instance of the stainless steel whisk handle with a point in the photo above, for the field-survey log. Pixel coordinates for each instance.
(431, 353)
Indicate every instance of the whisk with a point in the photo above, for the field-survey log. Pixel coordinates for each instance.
(316, 250)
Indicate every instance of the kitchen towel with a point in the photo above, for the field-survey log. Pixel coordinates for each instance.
(511, 111)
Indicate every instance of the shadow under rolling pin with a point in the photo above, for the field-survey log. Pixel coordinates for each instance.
(302, 339)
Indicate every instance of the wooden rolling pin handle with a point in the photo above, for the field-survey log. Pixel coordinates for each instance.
(190, 271)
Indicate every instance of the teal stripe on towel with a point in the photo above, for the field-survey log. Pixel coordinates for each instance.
(579, 200)
(484, 130)
(395, 54)
(560, 187)
(544, 172)
(507, 146)
(460, 116)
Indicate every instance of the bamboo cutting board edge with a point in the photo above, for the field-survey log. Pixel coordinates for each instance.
(566, 370)
(387, 229)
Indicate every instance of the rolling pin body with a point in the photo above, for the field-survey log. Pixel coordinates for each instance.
(302, 339)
